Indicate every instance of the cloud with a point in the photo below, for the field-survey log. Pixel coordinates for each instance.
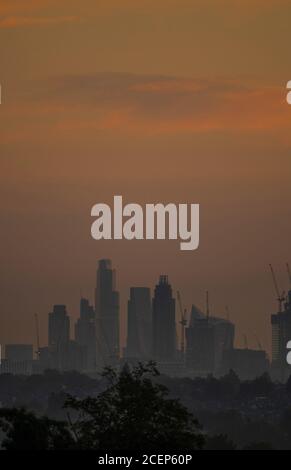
(153, 105)
(176, 104)
(24, 21)
(8, 7)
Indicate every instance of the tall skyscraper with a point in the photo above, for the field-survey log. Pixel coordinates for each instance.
(139, 324)
(164, 326)
(107, 315)
(59, 326)
(85, 334)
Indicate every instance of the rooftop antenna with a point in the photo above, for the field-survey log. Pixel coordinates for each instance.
(227, 312)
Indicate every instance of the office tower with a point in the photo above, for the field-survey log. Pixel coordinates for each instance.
(67, 356)
(59, 326)
(207, 337)
(61, 353)
(139, 324)
(107, 315)
(85, 333)
(281, 334)
(164, 327)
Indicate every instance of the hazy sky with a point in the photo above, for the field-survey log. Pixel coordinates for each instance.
(169, 101)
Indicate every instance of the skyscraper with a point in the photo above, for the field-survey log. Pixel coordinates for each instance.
(107, 315)
(62, 353)
(139, 324)
(85, 333)
(207, 337)
(59, 326)
(164, 327)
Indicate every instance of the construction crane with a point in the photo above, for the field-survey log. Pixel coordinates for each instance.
(207, 305)
(281, 297)
(246, 342)
(183, 322)
(37, 335)
(258, 343)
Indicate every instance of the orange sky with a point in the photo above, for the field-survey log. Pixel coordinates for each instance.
(170, 101)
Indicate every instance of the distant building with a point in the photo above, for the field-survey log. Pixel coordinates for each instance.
(18, 359)
(139, 324)
(247, 363)
(72, 356)
(85, 334)
(107, 315)
(164, 326)
(16, 367)
(281, 334)
(206, 340)
(45, 358)
(66, 357)
(19, 352)
(59, 326)
(61, 353)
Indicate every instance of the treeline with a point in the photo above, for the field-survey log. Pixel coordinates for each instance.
(117, 410)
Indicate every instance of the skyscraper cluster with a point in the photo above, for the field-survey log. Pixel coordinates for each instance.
(193, 344)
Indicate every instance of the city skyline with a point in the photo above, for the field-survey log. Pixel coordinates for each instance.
(252, 336)
(61, 328)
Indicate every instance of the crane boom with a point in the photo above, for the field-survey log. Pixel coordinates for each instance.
(259, 343)
(281, 297)
(207, 305)
(246, 341)
(275, 281)
(37, 334)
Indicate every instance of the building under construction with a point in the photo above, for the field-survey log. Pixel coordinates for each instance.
(281, 334)
(281, 331)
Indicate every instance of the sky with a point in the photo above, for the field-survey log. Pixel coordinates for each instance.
(159, 101)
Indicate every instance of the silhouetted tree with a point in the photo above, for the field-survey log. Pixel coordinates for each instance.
(134, 412)
(260, 386)
(230, 384)
(24, 431)
(219, 442)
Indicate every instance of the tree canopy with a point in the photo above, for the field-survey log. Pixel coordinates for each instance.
(134, 412)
